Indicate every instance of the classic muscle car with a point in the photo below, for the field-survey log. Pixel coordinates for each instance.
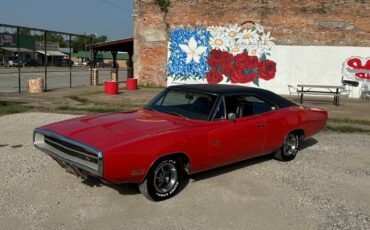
(184, 130)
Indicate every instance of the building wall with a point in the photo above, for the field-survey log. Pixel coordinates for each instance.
(338, 26)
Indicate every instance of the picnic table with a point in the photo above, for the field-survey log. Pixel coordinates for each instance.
(320, 90)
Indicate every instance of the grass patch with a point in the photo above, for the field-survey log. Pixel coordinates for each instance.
(150, 85)
(91, 106)
(346, 129)
(7, 107)
(77, 98)
(88, 110)
(349, 121)
(97, 109)
(86, 93)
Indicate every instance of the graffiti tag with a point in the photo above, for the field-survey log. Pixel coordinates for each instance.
(356, 68)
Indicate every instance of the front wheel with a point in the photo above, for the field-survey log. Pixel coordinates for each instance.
(289, 149)
(163, 180)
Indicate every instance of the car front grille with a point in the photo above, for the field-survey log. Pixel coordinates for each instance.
(69, 151)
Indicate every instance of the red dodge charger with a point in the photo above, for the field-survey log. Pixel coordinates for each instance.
(184, 130)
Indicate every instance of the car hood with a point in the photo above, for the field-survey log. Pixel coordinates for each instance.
(104, 131)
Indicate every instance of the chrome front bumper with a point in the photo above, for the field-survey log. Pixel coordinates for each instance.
(69, 153)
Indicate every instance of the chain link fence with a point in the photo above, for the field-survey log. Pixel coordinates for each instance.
(60, 59)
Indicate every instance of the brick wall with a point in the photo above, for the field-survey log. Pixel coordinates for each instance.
(299, 23)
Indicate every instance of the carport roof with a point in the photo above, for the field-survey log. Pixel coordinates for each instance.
(15, 50)
(52, 53)
(100, 55)
(124, 45)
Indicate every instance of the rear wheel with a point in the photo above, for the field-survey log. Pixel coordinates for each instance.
(289, 149)
(163, 179)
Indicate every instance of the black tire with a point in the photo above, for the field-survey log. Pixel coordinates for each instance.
(289, 149)
(163, 180)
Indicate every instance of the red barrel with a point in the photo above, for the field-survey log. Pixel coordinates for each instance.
(131, 84)
(111, 87)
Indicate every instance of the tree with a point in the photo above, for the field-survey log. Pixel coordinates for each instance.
(53, 37)
(24, 32)
(80, 42)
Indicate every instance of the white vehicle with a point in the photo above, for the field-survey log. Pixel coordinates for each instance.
(77, 63)
(14, 62)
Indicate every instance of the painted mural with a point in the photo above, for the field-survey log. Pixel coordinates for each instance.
(356, 69)
(221, 54)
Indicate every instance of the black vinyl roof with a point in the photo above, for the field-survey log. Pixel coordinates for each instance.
(235, 89)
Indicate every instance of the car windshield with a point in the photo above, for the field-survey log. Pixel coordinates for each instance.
(190, 105)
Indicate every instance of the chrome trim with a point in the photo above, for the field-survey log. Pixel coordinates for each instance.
(79, 152)
(38, 142)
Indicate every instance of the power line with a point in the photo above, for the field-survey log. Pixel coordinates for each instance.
(115, 5)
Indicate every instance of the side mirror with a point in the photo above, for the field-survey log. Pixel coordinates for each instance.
(231, 117)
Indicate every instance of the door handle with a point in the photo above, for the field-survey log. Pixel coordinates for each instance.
(216, 142)
(261, 125)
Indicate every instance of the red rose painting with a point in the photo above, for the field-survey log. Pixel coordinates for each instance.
(241, 61)
(267, 70)
(216, 58)
(252, 62)
(214, 77)
(242, 78)
(241, 68)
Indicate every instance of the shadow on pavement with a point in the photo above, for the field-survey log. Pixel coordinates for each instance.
(307, 143)
(124, 189)
(229, 168)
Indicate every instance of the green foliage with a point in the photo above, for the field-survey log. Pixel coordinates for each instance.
(79, 43)
(349, 121)
(150, 85)
(88, 110)
(163, 4)
(88, 106)
(95, 107)
(7, 107)
(24, 32)
(53, 37)
(346, 129)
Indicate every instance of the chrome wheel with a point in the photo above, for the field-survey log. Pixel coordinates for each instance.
(289, 148)
(290, 145)
(165, 177)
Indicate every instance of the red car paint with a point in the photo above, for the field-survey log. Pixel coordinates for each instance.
(132, 141)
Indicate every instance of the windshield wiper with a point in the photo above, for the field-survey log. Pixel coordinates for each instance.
(176, 114)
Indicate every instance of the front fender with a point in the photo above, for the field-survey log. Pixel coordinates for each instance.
(129, 163)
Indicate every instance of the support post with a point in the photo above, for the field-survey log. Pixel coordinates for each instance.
(70, 62)
(114, 55)
(19, 61)
(114, 68)
(92, 64)
(46, 62)
(130, 66)
(95, 73)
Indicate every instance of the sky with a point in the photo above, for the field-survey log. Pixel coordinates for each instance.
(113, 18)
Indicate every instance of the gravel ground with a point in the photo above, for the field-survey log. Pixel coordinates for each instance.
(326, 187)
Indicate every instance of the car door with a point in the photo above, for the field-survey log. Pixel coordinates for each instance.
(278, 124)
(235, 140)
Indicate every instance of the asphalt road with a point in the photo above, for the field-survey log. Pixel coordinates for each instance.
(326, 187)
(56, 78)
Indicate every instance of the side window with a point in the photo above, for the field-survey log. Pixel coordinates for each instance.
(246, 105)
(259, 105)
